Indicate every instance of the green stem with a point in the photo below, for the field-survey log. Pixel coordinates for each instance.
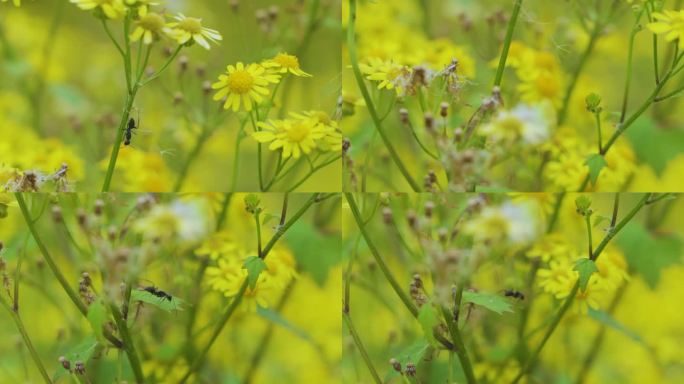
(361, 348)
(312, 171)
(27, 340)
(630, 55)
(128, 105)
(507, 43)
(243, 288)
(593, 38)
(162, 69)
(571, 296)
(351, 46)
(457, 338)
(385, 269)
(128, 346)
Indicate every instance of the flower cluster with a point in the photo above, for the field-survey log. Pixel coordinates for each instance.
(300, 134)
(151, 26)
(244, 86)
(226, 274)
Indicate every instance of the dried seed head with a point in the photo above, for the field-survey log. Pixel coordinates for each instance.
(458, 134)
(206, 87)
(201, 70)
(346, 144)
(112, 233)
(99, 207)
(81, 217)
(234, 5)
(396, 365)
(57, 214)
(410, 369)
(273, 12)
(80, 367)
(2, 246)
(429, 122)
(404, 115)
(65, 363)
(168, 51)
(177, 98)
(387, 215)
(86, 280)
(444, 109)
(417, 281)
(183, 63)
(261, 15)
(429, 208)
(412, 220)
(149, 71)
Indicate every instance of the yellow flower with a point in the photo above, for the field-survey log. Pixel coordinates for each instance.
(218, 245)
(188, 29)
(149, 26)
(333, 135)
(113, 9)
(671, 23)
(284, 63)
(243, 85)
(388, 74)
(553, 246)
(558, 278)
(294, 136)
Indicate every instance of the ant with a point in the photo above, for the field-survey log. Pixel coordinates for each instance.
(128, 131)
(515, 294)
(157, 292)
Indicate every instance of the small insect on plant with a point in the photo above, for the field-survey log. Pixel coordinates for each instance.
(128, 131)
(514, 294)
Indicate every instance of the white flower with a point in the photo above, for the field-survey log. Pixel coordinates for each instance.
(531, 124)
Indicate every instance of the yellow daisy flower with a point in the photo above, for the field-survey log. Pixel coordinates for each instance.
(113, 9)
(188, 29)
(671, 23)
(387, 73)
(284, 63)
(294, 136)
(244, 85)
(149, 26)
(333, 134)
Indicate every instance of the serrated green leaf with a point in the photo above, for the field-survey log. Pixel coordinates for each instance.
(97, 317)
(84, 351)
(585, 268)
(653, 145)
(595, 163)
(428, 319)
(175, 304)
(411, 354)
(254, 266)
(648, 254)
(494, 303)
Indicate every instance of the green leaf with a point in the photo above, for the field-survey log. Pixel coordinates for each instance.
(97, 317)
(84, 351)
(599, 219)
(494, 303)
(254, 266)
(585, 268)
(610, 322)
(595, 163)
(653, 145)
(648, 254)
(277, 319)
(428, 319)
(175, 304)
(316, 252)
(268, 217)
(411, 354)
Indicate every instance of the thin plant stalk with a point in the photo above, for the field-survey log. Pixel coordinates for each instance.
(532, 360)
(14, 313)
(128, 346)
(353, 57)
(457, 338)
(507, 43)
(199, 361)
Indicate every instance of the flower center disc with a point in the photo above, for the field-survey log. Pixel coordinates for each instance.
(298, 132)
(240, 81)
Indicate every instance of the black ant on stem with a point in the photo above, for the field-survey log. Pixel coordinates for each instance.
(128, 131)
(514, 294)
(157, 292)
